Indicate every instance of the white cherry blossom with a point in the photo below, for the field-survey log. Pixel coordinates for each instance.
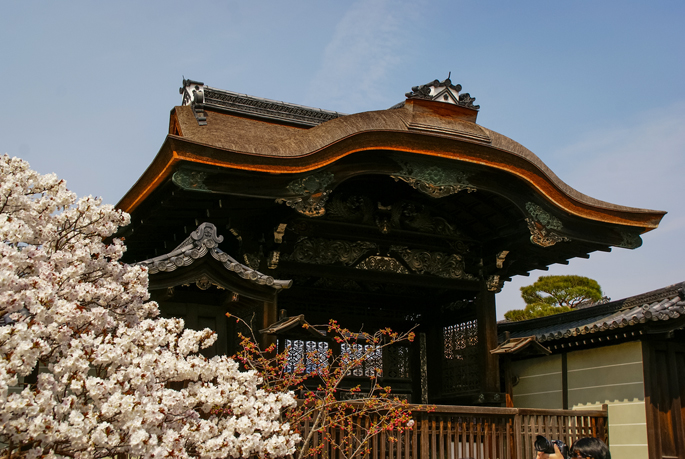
(68, 304)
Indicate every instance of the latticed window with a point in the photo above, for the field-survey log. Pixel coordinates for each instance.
(461, 367)
(310, 356)
(397, 360)
(372, 364)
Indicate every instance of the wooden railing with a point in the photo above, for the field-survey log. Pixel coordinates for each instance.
(456, 432)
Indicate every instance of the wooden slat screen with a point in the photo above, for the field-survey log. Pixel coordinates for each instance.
(459, 432)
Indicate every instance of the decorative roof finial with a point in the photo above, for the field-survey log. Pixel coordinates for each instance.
(443, 91)
(194, 95)
(192, 92)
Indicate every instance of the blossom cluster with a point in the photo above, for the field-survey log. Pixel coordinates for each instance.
(70, 307)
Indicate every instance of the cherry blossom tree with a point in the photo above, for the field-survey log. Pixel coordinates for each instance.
(68, 305)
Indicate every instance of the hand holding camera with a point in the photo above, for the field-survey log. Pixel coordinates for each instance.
(550, 449)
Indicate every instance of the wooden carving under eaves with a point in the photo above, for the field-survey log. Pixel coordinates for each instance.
(366, 255)
(543, 226)
(313, 191)
(399, 215)
(433, 180)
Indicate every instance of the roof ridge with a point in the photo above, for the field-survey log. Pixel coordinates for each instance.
(654, 295)
(273, 101)
(201, 97)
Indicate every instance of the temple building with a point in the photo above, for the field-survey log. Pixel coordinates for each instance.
(410, 216)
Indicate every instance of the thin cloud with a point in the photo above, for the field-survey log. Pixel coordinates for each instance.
(368, 43)
(639, 164)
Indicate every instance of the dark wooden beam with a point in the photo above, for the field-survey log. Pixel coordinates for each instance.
(487, 339)
(377, 276)
(363, 296)
(269, 316)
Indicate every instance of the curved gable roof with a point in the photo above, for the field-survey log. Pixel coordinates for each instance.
(419, 127)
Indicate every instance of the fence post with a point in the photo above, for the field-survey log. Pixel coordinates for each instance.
(603, 428)
(425, 451)
(517, 449)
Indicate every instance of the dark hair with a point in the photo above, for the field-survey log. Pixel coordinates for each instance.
(591, 447)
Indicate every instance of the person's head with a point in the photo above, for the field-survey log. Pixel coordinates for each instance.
(589, 447)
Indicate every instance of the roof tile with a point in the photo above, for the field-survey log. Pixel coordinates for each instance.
(664, 304)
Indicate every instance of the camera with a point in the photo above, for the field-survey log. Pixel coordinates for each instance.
(547, 446)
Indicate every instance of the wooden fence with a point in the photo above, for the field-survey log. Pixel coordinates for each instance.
(458, 432)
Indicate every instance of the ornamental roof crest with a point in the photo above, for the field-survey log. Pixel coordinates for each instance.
(443, 91)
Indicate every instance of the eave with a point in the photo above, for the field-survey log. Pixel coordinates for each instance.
(177, 151)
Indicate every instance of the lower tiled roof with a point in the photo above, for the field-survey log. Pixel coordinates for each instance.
(202, 241)
(664, 304)
(527, 345)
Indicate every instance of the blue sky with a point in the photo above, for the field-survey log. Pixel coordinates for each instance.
(595, 89)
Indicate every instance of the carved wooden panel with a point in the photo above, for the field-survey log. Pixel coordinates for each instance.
(397, 362)
(440, 264)
(461, 365)
(372, 364)
(401, 215)
(359, 254)
(324, 251)
(310, 356)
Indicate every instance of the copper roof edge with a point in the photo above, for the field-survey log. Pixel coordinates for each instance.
(168, 156)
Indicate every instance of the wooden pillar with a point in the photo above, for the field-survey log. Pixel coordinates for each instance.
(269, 316)
(434, 353)
(487, 338)
(505, 361)
(508, 376)
(419, 365)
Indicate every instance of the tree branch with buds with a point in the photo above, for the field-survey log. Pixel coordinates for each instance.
(330, 414)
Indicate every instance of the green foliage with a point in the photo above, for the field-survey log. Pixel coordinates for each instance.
(567, 291)
(534, 310)
(554, 294)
